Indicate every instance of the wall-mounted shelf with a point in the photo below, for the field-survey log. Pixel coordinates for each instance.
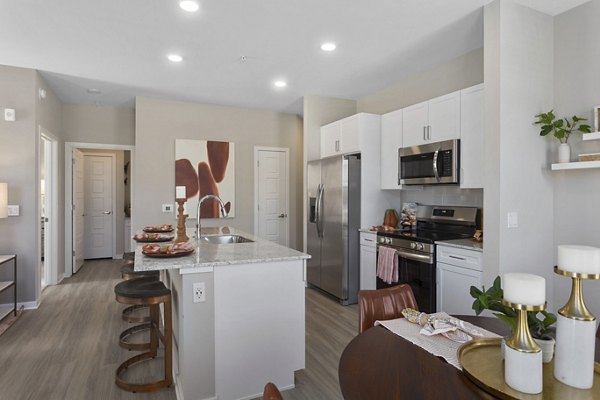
(6, 309)
(591, 136)
(576, 165)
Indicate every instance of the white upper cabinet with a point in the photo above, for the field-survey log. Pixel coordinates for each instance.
(432, 121)
(391, 141)
(331, 139)
(348, 135)
(471, 135)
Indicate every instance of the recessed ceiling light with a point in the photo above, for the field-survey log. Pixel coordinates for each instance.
(328, 46)
(280, 84)
(94, 91)
(175, 58)
(189, 5)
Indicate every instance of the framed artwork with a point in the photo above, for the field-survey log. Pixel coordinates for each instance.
(206, 167)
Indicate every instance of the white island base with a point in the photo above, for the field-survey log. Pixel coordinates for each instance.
(249, 331)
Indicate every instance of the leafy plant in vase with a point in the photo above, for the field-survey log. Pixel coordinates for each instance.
(561, 128)
(541, 329)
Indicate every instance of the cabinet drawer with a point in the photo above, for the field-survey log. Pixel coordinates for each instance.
(470, 259)
(368, 239)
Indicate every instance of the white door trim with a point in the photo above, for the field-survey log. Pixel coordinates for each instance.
(113, 163)
(69, 146)
(286, 150)
(52, 272)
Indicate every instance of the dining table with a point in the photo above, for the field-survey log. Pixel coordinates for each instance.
(378, 364)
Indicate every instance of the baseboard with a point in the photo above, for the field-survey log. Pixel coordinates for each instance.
(60, 278)
(118, 256)
(28, 305)
(179, 392)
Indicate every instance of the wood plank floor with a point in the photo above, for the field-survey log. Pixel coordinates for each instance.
(67, 349)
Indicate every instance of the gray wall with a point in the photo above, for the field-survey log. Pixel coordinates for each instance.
(98, 124)
(19, 168)
(456, 74)
(519, 72)
(160, 122)
(576, 92)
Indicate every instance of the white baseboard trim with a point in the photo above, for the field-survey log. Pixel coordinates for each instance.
(179, 392)
(28, 305)
(60, 278)
(118, 256)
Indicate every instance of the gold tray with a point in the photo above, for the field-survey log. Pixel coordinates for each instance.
(482, 363)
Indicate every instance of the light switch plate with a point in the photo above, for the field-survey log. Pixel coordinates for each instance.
(13, 211)
(9, 114)
(167, 208)
(512, 219)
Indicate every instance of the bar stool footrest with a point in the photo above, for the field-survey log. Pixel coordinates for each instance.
(128, 332)
(126, 315)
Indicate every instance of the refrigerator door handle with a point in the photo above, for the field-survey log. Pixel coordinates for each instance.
(318, 209)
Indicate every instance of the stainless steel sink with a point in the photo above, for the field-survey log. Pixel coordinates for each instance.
(225, 239)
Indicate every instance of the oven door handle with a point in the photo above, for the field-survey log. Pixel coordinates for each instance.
(426, 258)
(435, 165)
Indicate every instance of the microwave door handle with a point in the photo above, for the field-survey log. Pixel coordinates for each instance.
(435, 165)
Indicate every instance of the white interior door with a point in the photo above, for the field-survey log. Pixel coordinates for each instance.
(78, 210)
(98, 206)
(272, 205)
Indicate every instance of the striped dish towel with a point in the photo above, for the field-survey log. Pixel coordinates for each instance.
(387, 264)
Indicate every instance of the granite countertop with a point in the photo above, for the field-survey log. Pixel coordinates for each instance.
(209, 255)
(467, 244)
(367, 230)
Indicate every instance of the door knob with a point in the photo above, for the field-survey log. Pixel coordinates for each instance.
(282, 215)
(107, 212)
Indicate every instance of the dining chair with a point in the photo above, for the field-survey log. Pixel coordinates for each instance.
(271, 392)
(383, 304)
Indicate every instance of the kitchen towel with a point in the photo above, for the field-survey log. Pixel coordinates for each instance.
(387, 264)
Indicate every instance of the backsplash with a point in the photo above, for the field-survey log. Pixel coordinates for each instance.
(445, 195)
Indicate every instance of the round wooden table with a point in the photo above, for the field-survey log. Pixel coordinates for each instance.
(379, 364)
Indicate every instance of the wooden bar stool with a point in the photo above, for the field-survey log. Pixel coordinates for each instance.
(128, 272)
(150, 292)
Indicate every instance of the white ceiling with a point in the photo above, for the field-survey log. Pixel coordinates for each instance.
(120, 47)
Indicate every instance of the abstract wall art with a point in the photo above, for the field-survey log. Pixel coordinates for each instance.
(206, 167)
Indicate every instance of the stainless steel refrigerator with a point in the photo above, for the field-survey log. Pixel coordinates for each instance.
(332, 226)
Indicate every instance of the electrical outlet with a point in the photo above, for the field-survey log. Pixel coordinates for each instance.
(199, 292)
(13, 211)
(512, 220)
(167, 208)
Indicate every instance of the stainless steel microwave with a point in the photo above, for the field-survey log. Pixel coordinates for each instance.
(430, 164)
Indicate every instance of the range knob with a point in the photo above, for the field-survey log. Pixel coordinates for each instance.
(413, 245)
(388, 240)
(420, 246)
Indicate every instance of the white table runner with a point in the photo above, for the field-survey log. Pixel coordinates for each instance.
(437, 345)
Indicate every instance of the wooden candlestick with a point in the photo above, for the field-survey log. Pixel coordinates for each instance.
(181, 236)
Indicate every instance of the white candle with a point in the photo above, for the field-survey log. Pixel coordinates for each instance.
(180, 192)
(579, 259)
(524, 289)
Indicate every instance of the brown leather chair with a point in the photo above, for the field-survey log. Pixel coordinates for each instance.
(383, 304)
(271, 392)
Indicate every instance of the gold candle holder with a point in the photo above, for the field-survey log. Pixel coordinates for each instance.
(575, 307)
(181, 235)
(521, 340)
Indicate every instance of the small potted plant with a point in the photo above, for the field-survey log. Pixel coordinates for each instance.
(561, 128)
(541, 329)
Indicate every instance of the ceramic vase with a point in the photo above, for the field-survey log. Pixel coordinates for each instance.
(564, 153)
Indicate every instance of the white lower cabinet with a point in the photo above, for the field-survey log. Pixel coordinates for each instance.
(368, 260)
(456, 271)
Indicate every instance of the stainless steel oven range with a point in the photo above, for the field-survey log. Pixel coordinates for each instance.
(415, 248)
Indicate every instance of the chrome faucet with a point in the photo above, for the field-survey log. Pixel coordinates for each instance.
(207, 197)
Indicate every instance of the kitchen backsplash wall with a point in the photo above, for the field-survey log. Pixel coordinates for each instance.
(446, 195)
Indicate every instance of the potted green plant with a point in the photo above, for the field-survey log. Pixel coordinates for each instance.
(561, 128)
(541, 328)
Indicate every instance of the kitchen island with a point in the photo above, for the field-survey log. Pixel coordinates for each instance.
(248, 327)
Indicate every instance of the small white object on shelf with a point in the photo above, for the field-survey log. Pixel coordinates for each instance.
(579, 259)
(526, 289)
(576, 165)
(591, 136)
(180, 192)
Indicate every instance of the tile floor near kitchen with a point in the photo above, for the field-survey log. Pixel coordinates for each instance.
(67, 349)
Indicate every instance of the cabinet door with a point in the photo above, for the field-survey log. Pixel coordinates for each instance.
(453, 284)
(350, 134)
(368, 262)
(391, 141)
(414, 121)
(444, 118)
(471, 137)
(330, 140)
